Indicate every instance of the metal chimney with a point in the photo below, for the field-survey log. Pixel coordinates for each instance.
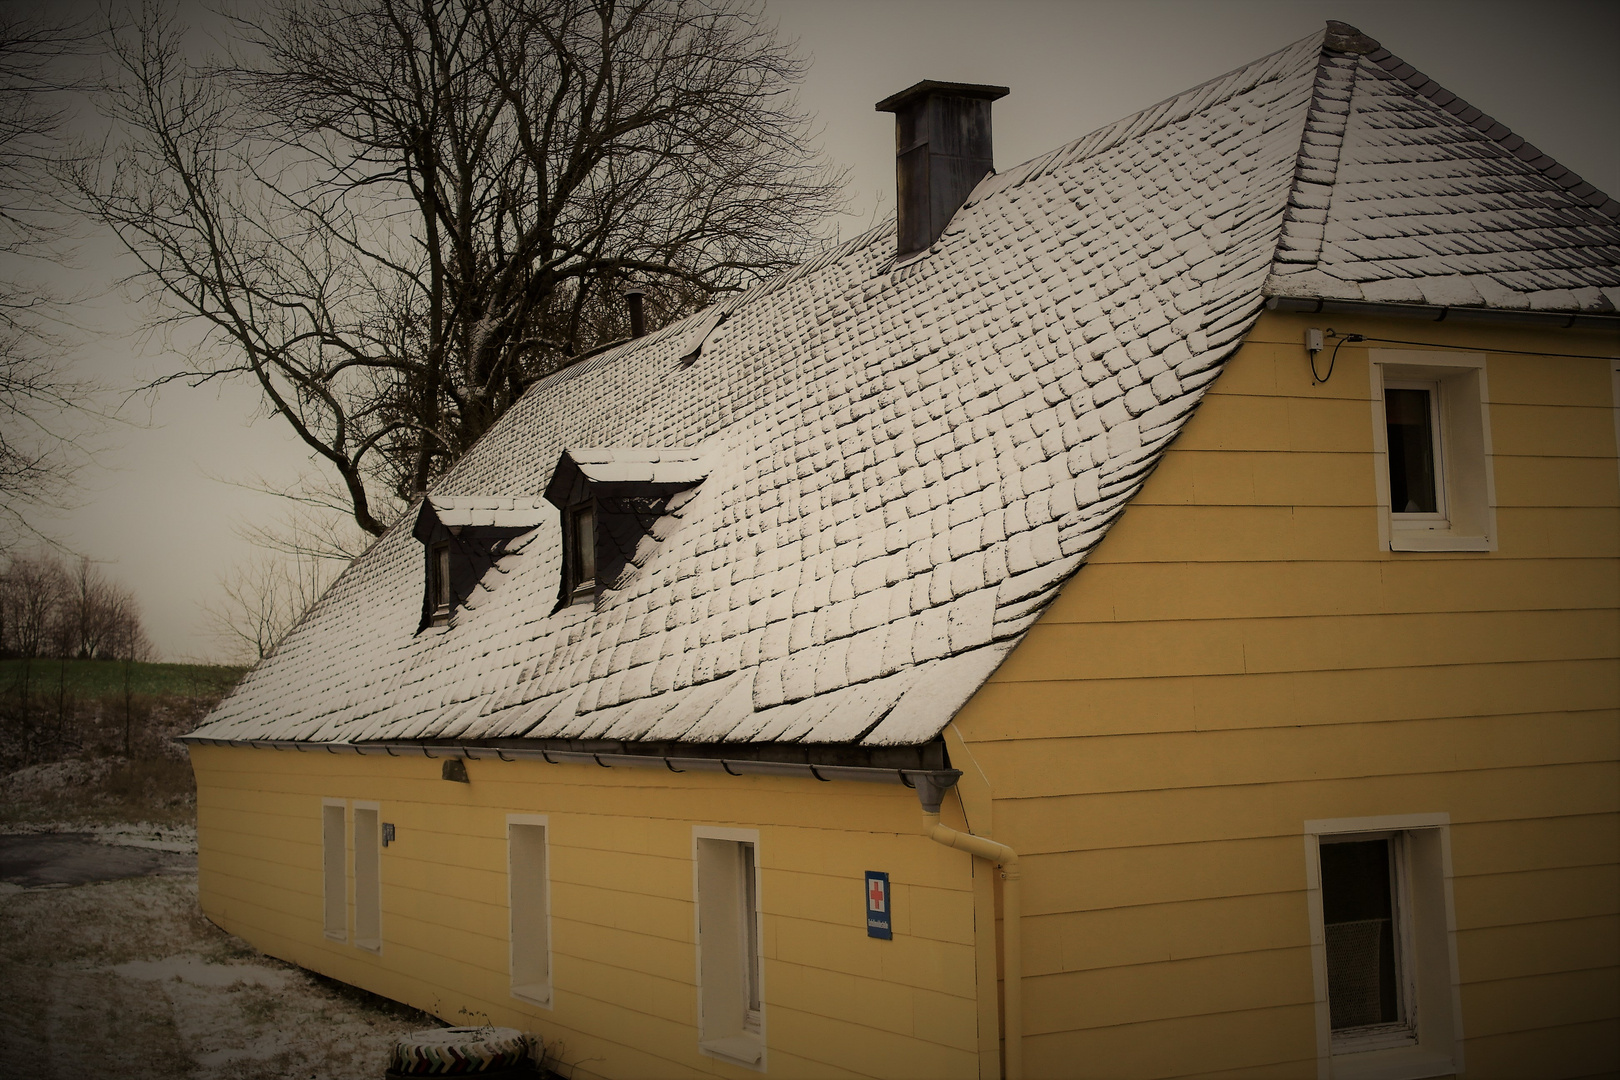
(942, 149)
(638, 320)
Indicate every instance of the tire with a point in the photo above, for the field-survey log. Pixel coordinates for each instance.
(461, 1051)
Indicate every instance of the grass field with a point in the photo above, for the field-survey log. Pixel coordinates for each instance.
(97, 679)
(76, 748)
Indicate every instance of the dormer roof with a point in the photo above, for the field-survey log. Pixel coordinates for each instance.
(906, 464)
(656, 468)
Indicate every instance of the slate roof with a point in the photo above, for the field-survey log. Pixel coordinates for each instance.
(902, 466)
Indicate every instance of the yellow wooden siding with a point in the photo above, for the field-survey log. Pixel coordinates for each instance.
(838, 1003)
(1239, 656)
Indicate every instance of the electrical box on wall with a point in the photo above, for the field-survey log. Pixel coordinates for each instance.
(388, 833)
(878, 908)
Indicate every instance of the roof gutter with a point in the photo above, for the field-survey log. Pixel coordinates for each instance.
(1430, 313)
(926, 780)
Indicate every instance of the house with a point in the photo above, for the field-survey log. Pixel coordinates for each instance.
(1152, 611)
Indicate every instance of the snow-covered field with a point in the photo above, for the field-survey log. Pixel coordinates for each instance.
(127, 979)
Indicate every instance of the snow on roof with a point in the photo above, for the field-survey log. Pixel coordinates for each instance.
(1405, 193)
(652, 465)
(901, 466)
(508, 512)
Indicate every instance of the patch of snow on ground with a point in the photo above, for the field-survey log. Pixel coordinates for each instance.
(127, 978)
(181, 839)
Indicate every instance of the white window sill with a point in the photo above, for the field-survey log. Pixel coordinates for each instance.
(368, 944)
(535, 994)
(1403, 1063)
(337, 935)
(1434, 540)
(742, 1049)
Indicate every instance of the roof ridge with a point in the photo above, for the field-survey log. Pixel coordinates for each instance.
(1316, 167)
(1353, 41)
(1098, 139)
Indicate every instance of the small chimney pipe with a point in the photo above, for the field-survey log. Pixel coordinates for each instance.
(638, 320)
(942, 149)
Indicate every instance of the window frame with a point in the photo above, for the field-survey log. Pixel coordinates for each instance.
(738, 1039)
(1427, 1039)
(541, 992)
(1465, 477)
(580, 587)
(1403, 1030)
(335, 871)
(367, 876)
(439, 591)
(1422, 519)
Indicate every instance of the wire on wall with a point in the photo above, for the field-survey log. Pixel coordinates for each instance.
(1333, 358)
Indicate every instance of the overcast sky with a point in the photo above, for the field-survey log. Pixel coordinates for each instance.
(159, 506)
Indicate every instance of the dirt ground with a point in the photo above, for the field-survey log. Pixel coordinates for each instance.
(126, 978)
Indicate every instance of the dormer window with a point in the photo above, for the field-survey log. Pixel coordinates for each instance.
(462, 537)
(582, 552)
(439, 583)
(610, 498)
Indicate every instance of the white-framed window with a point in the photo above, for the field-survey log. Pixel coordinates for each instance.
(367, 876)
(529, 899)
(1383, 947)
(1432, 451)
(334, 870)
(730, 969)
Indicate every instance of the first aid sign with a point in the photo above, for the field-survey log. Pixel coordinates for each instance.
(878, 909)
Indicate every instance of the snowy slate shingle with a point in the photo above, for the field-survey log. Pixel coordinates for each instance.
(900, 466)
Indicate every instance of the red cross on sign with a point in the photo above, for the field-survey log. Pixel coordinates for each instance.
(875, 899)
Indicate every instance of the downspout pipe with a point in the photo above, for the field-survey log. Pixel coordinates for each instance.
(931, 793)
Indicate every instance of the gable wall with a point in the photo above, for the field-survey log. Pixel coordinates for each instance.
(838, 1003)
(1239, 656)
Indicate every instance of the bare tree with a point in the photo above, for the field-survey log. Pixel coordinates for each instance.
(33, 587)
(392, 217)
(38, 401)
(264, 598)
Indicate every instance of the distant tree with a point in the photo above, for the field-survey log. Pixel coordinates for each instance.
(31, 591)
(393, 217)
(47, 611)
(39, 402)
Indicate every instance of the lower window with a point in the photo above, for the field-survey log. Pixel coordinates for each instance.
(334, 876)
(1383, 943)
(367, 877)
(731, 1006)
(530, 910)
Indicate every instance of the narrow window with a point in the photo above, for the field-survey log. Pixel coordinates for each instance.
(367, 878)
(729, 970)
(333, 865)
(530, 911)
(1359, 908)
(439, 582)
(1415, 483)
(582, 548)
(1383, 947)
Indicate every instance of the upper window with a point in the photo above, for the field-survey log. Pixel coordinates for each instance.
(1431, 432)
(1383, 942)
(582, 552)
(439, 582)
